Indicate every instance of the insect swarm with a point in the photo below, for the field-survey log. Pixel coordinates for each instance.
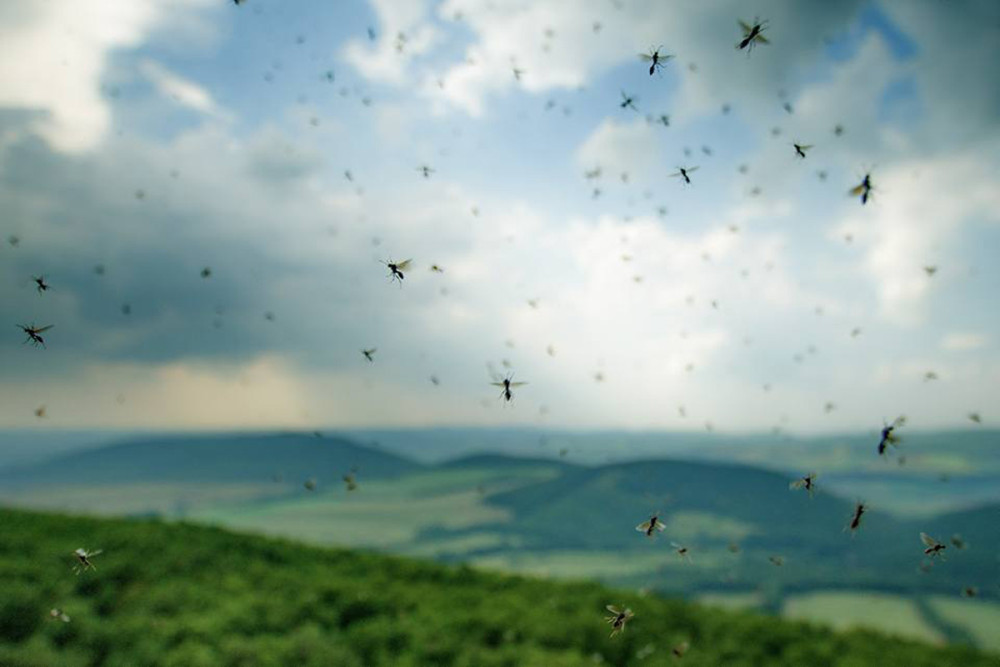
(618, 619)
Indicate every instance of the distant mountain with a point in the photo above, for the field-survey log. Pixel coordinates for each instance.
(211, 459)
(503, 462)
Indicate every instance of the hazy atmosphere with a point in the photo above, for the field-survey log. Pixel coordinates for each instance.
(470, 333)
(279, 145)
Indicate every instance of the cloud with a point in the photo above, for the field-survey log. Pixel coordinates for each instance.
(964, 341)
(62, 51)
(178, 89)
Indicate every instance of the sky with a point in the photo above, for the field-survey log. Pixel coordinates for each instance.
(279, 144)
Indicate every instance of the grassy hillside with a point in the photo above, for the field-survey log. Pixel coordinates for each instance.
(180, 595)
(226, 458)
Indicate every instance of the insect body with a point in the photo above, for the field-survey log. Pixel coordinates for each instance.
(800, 149)
(680, 649)
(651, 526)
(933, 547)
(506, 383)
(864, 189)
(628, 102)
(855, 522)
(83, 560)
(752, 35)
(40, 282)
(425, 170)
(808, 483)
(59, 614)
(654, 59)
(350, 481)
(684, 172)
(396, 270)
(34, 333)
(369, 354)
(618, 618)
(682, 551)
(889, 436)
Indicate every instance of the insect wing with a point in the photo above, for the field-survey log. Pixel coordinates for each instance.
(614, 610)
(692, 170)
(518, 384)
(797, 484)
(761, 39)
(928, 540)
(746, 27)
(857, 190)
(403, 266)
(43, 329)
(644, 527)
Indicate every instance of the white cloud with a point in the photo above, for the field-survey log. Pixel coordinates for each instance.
(178, 89)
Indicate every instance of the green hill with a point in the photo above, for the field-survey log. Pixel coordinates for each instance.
(181, 595)
(217, 459)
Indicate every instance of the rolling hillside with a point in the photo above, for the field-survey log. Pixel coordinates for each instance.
(181, 595)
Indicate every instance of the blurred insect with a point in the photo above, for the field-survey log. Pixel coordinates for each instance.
(34, 334)
(958, 542)
(975, 417)
(517, 73)
(396, 270)
(855, 522)
(369, 354)
(663, 119)
(787, 106)
(206, 272)
(350, 480)
(683, 173)
(13, 240)
(930, 375)
(801, 149)
(933, 547)
(679, 650)
(436, 269)
(269, 316)
(970, 592)
(533, 303)
(40, 412)
(889, 436)
(628, 102)
(752, 35)
(507, 384)
(733, 547)
(238, 2)
(838, 130)
(654, 59)
(682, 551)
(83, 560)
(651, 526)
(435, 381)
(864, 188)
(59, 615)
(808, 483)
(777, 561)
(930, 270)
(618, 618)
(310, 484)
(371, 34)
(40, 283)
(425, 170)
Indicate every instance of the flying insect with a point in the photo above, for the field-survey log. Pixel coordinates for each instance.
(507, 385)
(855, 522)
(40, 283)
(34, 334)
(801, 149)
(683, 173)
(369, 354)
(808, 483)
(618, 618)
(889, 436)
(628, 102)
(83, 560)
(752, 35)
(933, 547)
(651, 526)
(655, 59)
(864, 189)
(396, 270)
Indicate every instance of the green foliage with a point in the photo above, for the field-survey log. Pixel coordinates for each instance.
(181, 595)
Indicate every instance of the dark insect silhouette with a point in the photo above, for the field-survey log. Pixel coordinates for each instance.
(889, 436)
(83, 560)
(684, 172)
(655, 59)
(436, 269)
(34, 333)
(369, 354)
(518, 73)
(651, 526)
(800, 149)
(975, 418)
(682, 551)
(310, 484)
(507, 385)
(42, 286)
(396, 270)
(864, 189)
(425, 170)
(752, 35)
(206, 272)
(777, 561)
(350, 480)
(958, 542)
(970, 592)
(628, 102)
(932, 548)
(618, 618)
(40, 412)
(679, 650)
(808, 483)
(855, 522)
